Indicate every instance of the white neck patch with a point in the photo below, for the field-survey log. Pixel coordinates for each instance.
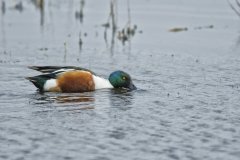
(101, 83)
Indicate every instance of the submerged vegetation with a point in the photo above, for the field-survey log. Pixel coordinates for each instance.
(235, 6)
(123, 34)
(112, 31)
(180, 29)
(79, 14)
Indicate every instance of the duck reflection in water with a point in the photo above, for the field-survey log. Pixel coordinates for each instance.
(118, 98)
(121, 98)
(73, 99)
(83, 101)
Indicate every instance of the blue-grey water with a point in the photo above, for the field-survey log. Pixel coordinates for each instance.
(187, 102)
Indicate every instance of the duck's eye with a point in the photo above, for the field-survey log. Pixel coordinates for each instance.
(124, 78)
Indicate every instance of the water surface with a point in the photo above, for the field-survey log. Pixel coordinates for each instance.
(187, 102)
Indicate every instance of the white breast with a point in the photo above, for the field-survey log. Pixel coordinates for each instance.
(101, 83)
(51, 83)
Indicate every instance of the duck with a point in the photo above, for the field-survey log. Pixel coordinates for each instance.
(71, 79)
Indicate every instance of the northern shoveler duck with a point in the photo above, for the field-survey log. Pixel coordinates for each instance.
(70, 79)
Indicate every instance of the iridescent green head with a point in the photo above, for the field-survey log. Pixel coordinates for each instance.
(120, 79)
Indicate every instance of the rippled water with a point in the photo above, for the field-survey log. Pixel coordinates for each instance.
(186, 105)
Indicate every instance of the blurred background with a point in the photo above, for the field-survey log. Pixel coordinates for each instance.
(183, 55)
(48, 26)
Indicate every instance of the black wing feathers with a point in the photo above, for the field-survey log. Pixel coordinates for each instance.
(50, 69)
